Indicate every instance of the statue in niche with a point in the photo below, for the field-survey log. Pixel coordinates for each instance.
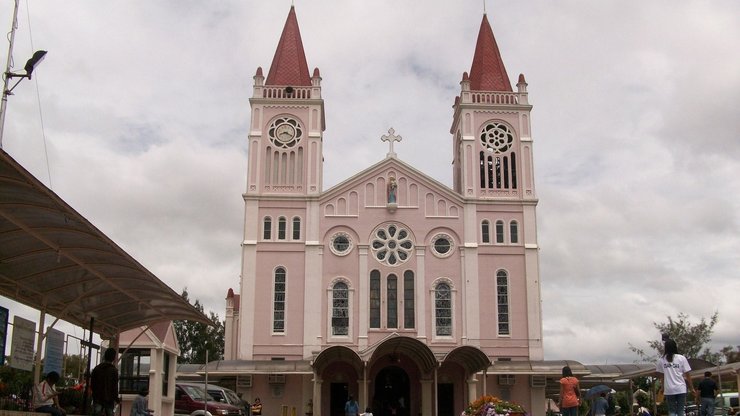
(392, 190)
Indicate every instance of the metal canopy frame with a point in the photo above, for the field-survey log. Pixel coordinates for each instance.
(56, 261)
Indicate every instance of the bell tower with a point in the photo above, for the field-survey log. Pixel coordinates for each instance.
(491, 131)
(493, 171)
(287, 122)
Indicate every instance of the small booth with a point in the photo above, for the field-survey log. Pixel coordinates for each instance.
(148, 361)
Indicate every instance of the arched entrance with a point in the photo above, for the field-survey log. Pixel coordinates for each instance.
(392, 392)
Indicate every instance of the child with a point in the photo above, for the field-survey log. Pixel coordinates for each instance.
(367, 412)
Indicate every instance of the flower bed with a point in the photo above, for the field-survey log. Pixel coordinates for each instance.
(492, 406)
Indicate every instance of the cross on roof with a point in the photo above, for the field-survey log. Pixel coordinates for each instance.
(390, 138)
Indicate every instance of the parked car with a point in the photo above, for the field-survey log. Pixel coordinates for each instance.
(191, 399)
(221, 394)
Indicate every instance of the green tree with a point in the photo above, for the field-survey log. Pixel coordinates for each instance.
(196, 337)
(692, 339)
(730, 354)
(17, 382)
(74, 367)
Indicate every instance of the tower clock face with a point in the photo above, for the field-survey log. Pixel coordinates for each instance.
(285, 132)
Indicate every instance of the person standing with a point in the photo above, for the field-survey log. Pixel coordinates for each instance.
(600, 405)
(674, 369)
(707, 392)
(570, 393)
(45, 396)
(256, 406)
(104, 384)
(351, 408)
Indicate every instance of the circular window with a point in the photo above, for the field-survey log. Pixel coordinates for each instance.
(341, 244)
(392, 245)
(285, 132)
(497, 137)
(442, 245)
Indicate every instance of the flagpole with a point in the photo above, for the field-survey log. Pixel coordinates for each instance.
(6, 77)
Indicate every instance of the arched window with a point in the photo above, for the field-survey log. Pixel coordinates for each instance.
(485, 231)
(340, 309)
(502, 299)
(282, 226)
(408, 299)
(499, 232)
(267, 228)
(514, 232)
(296, 228)
(375, 299)
(443, 309)
(278, 303)
(392, 301)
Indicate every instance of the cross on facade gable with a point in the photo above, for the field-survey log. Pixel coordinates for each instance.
(390, 138)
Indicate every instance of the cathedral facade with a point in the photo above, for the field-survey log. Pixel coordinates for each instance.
(390, 286)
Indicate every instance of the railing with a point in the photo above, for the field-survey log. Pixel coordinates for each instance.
(301, 93)
(494, 97)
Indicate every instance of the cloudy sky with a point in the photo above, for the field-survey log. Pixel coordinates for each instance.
(138, 118)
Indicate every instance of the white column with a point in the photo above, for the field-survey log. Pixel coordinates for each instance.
(156, 375)
(469, 278)
(363, 297)
(363, 393)
(472, 384)
(313, 314)
(419, 283)
(537, 401)
(427, 398)
(316, 395)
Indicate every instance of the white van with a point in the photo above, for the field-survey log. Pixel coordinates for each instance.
(728, 400)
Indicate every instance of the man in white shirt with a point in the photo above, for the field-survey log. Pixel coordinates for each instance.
(45, 396)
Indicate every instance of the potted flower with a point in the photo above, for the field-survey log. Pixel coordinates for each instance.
(492, 406)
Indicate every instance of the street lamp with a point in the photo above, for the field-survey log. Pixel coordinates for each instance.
(31, 64)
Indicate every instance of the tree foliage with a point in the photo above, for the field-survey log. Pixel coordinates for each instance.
(196, 337)
(730, 354)
(74, 367)
(692, 339)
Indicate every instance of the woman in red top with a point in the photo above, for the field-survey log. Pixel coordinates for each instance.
(570, 393)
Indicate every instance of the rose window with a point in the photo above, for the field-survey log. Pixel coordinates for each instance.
(392, 245)
(285, 132)
(497, 137)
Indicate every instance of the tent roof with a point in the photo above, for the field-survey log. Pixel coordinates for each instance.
(55, 260)
(546, 367)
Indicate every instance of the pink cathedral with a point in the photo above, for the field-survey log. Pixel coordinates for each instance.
(413, 297)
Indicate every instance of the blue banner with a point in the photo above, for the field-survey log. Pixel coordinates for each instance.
(54, 355)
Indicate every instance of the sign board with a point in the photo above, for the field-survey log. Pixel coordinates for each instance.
(4, 313)
(54, 355)
(21, 349)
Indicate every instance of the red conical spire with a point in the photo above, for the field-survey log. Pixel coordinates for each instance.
(289, 65)
(488, 72)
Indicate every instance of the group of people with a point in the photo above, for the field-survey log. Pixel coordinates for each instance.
(673, 368)
(103, 388)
